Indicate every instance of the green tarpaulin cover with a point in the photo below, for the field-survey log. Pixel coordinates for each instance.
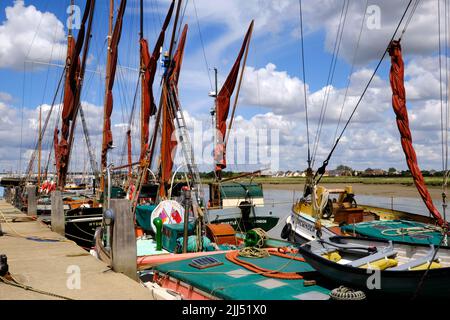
(143, 214)
(396, 230)
(241, 190)
(232, 282)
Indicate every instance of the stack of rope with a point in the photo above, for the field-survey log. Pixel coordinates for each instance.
(344, 293)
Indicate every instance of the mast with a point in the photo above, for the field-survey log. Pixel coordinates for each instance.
(141, 36)
(214, 112)
(39, 147)
(107, 77)
(143, 113)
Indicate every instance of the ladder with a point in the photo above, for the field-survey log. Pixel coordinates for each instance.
(185, 141)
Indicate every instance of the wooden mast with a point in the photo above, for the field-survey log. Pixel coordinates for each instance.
(143, 142)
(141, 36)
(108, 75)
(39, 147)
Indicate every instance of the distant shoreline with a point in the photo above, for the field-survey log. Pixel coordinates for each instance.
(433, 181)
(373, 189)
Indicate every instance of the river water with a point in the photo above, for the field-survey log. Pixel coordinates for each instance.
(282, 200)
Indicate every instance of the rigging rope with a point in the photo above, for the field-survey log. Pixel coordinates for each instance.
(413, 10)
(321, 170)
(44, 128)
(304, 82)
(351, 69)
(444, 136)
(203, 45)
(15, 283)
(422, 279)
(331, 71)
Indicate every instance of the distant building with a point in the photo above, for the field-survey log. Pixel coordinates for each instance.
(374, 172)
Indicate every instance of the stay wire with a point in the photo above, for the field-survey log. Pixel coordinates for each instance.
(351, 69)
(321, 170)
(203, 45)
(304, 82)
(440, 85)
(331, 72)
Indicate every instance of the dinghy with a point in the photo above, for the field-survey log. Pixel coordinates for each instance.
(382, 267)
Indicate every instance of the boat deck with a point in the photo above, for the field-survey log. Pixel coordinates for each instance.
(230, 281)
(52, 266)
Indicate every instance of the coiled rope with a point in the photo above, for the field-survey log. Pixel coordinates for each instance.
(256, 251)
(233, 257)
(344, 293)
(409, 231)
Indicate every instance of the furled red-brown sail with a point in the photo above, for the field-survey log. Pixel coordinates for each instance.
(149, 65)
(396, 77)
(168, 142)
(223, 106)
(71, 87)
(113, 52)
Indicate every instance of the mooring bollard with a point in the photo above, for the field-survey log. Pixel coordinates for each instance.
(8, 194)
(32, 201)
(17, 202)
(124, 250)
(57, 213)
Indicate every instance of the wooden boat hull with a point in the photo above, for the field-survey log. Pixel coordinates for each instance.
(81, 224)
(303, 226)
(398, 283)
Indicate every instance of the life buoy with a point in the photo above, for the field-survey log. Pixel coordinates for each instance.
(286, 232)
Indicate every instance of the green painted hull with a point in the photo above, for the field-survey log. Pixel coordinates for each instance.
(265, 223)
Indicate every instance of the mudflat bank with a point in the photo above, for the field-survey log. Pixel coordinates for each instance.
(385, 190)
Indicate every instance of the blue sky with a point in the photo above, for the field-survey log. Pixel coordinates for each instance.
(272, 93)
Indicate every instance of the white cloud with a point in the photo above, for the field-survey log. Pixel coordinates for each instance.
(269, 87)
(29, 34)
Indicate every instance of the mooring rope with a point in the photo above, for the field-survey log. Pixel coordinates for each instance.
(15, 283)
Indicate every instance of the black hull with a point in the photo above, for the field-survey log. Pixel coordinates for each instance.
(80, 225)
(392, 283)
